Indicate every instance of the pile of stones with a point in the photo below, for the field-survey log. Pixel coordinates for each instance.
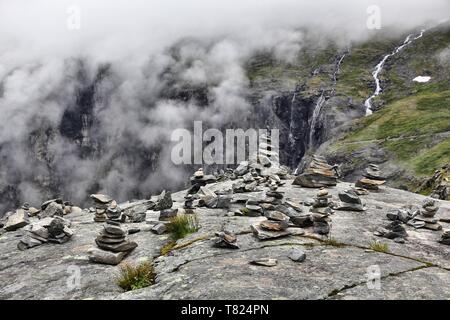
(318, 174)
(106, 209)
(350, 201)
(418, 217)
(200, 179)
(394, 231)
(321, 211)
(372, 178)
(112, 245)
(136, 212)
(445, 239)
(21, 217)
(47, 230)
(225, 239)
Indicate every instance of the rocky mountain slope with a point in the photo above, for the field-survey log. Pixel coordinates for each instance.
(313, 100)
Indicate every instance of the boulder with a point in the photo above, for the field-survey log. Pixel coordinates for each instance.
(17, 220)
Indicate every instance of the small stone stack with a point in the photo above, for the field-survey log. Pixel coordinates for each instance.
(317, 175)
(226, 239)
(445, 239)
(200, 179)
(101, 204)
(320, 213)
(112, 245)
(372, 180)
(350, 201)
(425, 218)
(274, 227)
(394, 231)
(47, 230)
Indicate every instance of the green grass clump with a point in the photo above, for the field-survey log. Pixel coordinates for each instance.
(379, 247)
(180, 226)
(136, 277)
(334, 243)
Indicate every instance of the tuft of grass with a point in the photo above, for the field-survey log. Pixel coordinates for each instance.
(379, 247)
(133, 277)
(244, 211)
(333, 242)
(180, 226)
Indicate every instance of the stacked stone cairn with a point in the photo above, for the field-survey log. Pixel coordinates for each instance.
(112, 245)
(445, 239)
(318, 174)
(418, 217)
(372, 178)
(106, 209)
(226, 239)
(200, 179)
(321, 211)
(47, 230)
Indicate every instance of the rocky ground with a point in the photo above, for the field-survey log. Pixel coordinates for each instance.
(195, 269)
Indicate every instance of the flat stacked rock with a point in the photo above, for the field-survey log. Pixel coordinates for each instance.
(372, 180)
(320, 212)
(445, 239)
(274, 227)
(317, 175)
(425, 218)
(200, 179)
(394, 231)
(16, 220)
(101, 204)
(112, 245)
(47, 230)
(350, 201)
(226, 239)
(136, 211)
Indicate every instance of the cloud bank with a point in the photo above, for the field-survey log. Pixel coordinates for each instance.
(91, 109)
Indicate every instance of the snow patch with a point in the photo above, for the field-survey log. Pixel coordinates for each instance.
(422, 79)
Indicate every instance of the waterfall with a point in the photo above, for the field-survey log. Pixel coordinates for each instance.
(379, 68)
(315, 117)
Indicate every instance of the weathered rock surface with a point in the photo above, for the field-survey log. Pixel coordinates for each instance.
(417, 269)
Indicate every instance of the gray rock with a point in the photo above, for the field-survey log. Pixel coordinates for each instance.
(106, 257)
(17, 220)
(265, 262)
(297, 255)
(349, 196)
(226, 239)
(101, 198)
(262, 234)
(166, 215)
(164, 201)
(51, 210)
(159, 228)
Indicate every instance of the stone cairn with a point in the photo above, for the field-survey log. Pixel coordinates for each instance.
(350, 201)
(112, 245)
(225, 239)
(418, 217)
(321, 212)
(372, 178)
(106, 209)
(445, 239)
(47, 230)
(318, 174)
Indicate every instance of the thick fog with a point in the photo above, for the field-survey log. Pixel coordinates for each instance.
(50, 51)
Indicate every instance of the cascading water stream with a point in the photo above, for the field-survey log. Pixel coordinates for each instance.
(379, 68)
(322, 99)
(315, 117)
